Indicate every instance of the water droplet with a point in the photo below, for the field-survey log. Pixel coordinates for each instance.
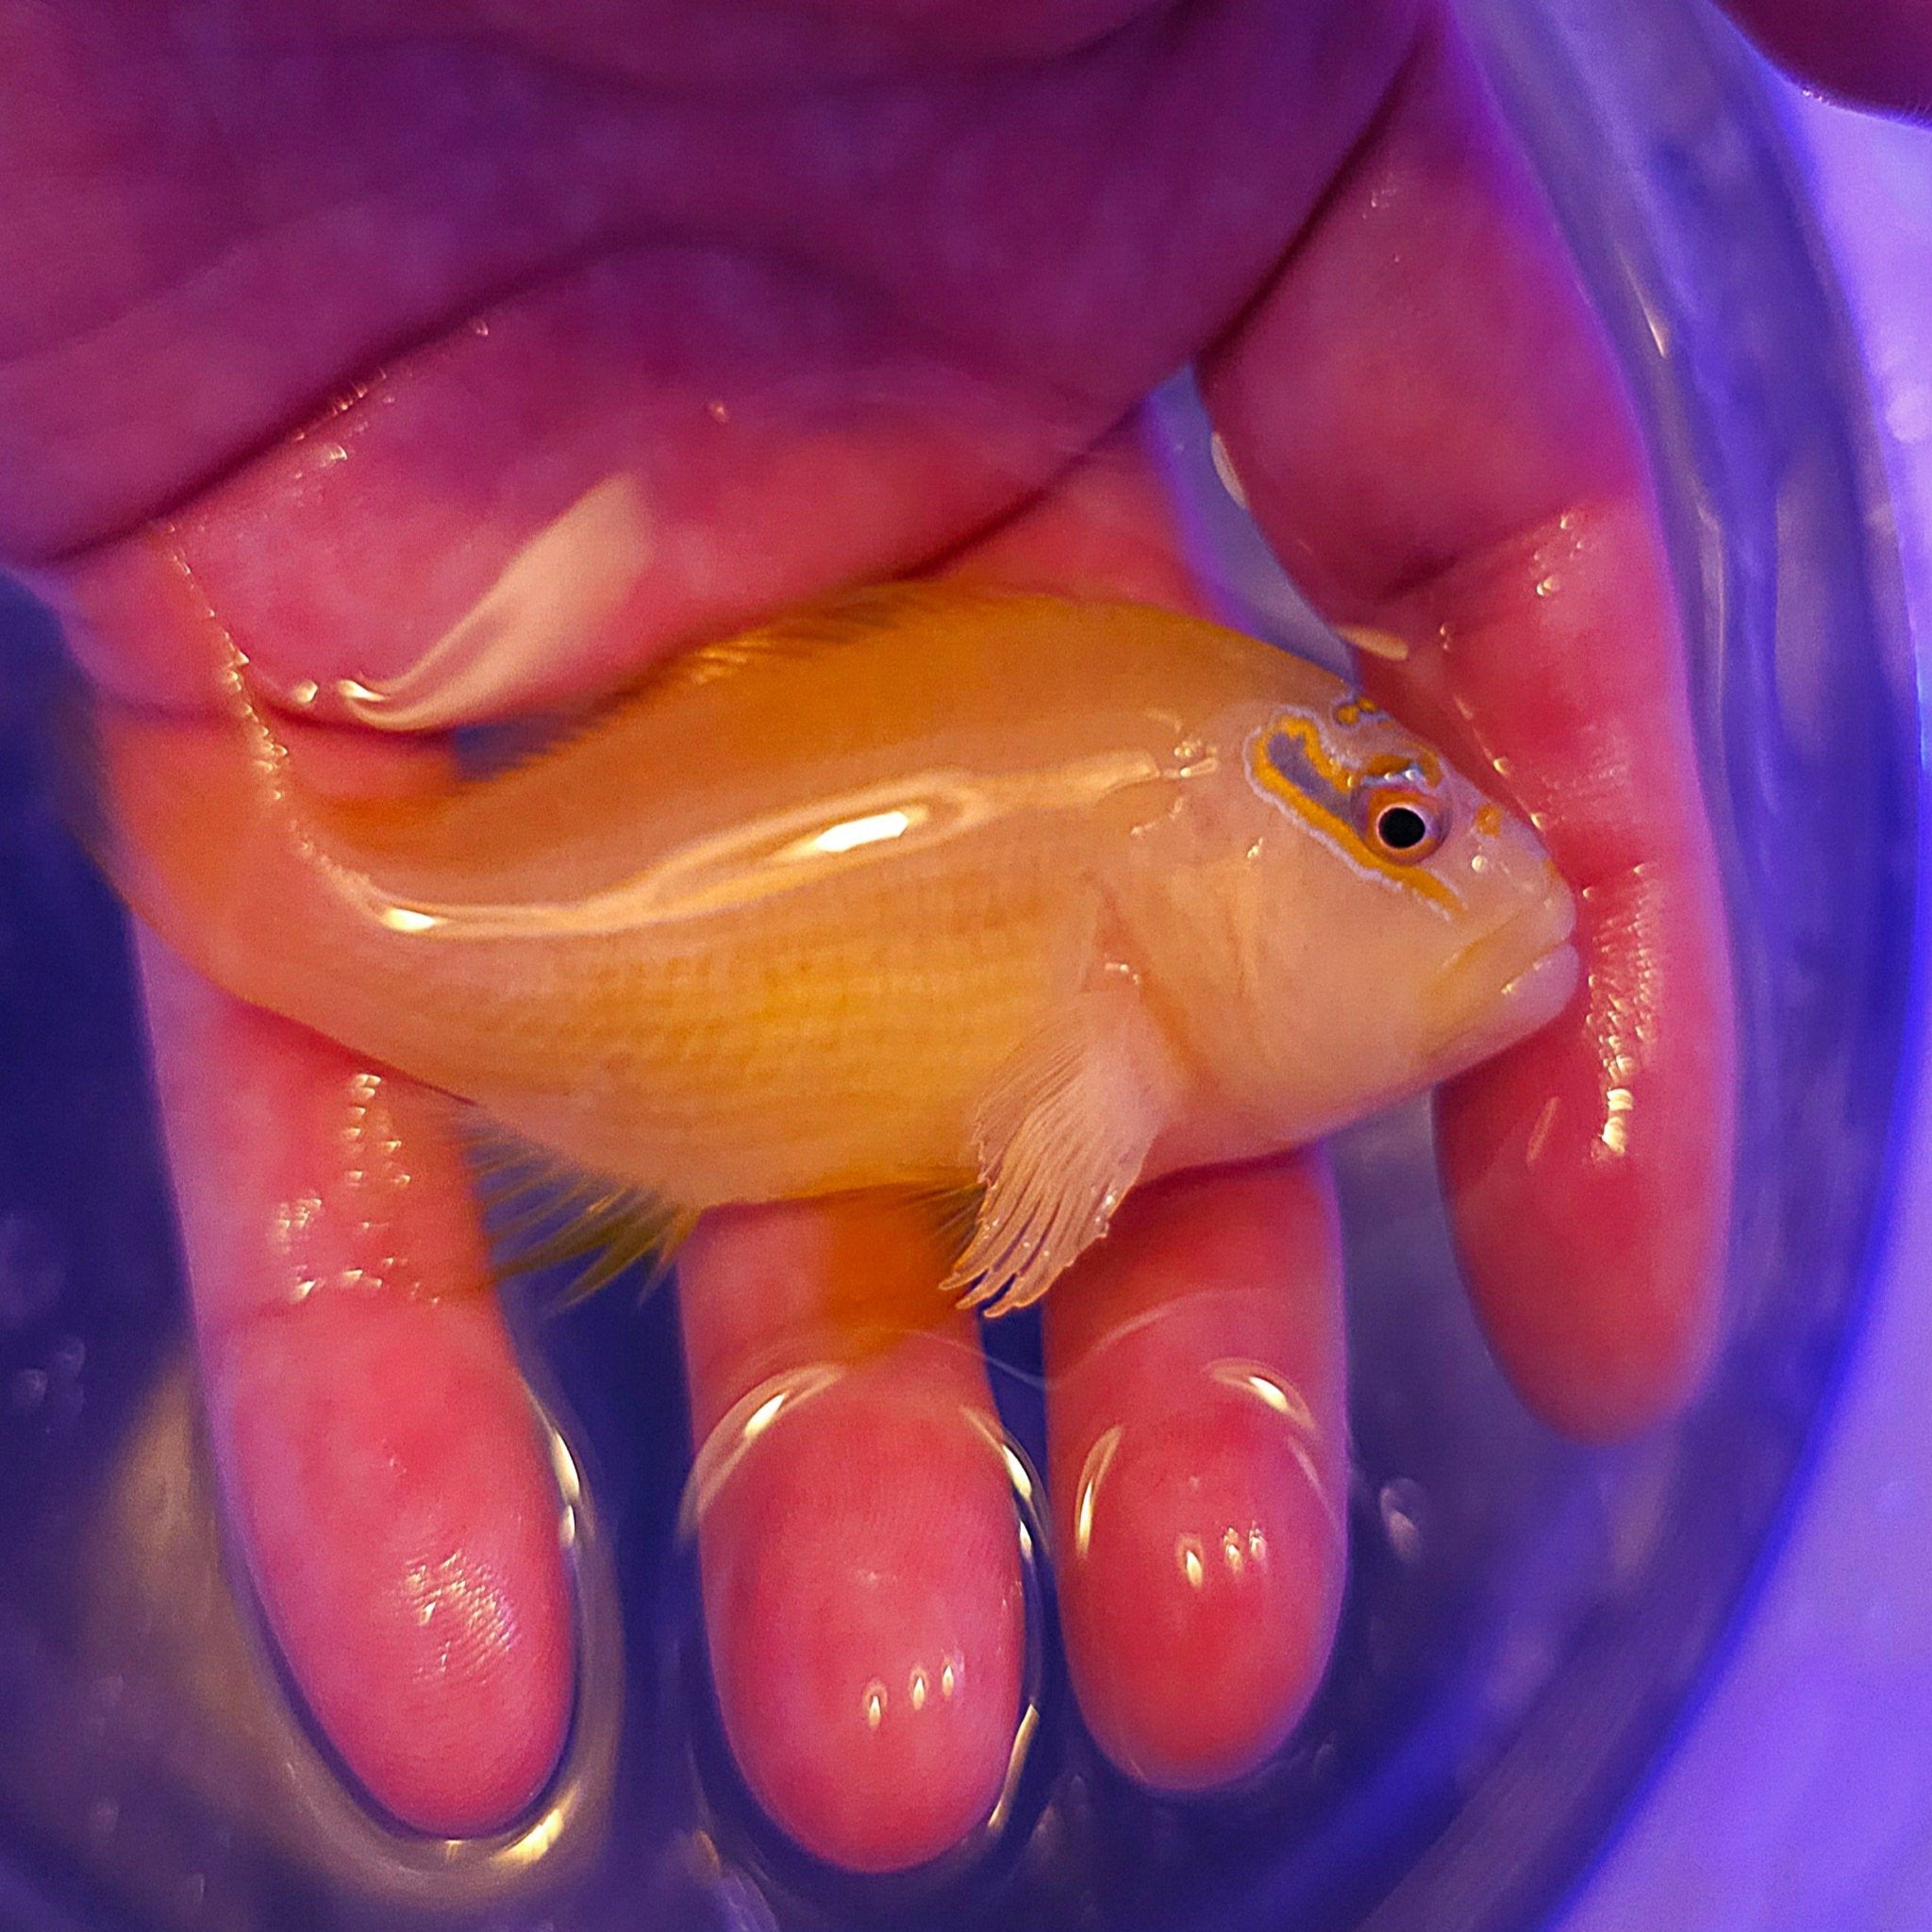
(875, 1705)
(1400, 1502)
(1188, 1554)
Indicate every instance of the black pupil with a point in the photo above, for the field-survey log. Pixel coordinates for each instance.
(1403, 827)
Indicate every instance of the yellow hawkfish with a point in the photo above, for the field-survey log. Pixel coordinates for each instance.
(926, 887)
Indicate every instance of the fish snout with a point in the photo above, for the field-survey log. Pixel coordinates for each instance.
(1504, 984)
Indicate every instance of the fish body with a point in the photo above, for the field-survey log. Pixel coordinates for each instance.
(928, 888)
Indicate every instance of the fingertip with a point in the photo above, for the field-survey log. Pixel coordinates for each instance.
(1588, 1170)
(857, 1541)
(403, 1533)
(1200, 1577)
(867, 1626)
(1600, 1277)
(1199, 1458)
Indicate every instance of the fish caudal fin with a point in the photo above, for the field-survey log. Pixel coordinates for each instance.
(1061, 1138)
(541, 1211)
(188, 819)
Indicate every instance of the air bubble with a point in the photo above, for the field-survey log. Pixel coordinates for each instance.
(1400, 1502)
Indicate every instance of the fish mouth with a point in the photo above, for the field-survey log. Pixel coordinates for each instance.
(1505, 986)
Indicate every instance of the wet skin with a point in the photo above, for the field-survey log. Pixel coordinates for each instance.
(850, 290)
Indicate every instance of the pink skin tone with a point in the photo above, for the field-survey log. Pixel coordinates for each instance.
(869, 1669)
(1876, 55)
(1198, 1465)
(843, 285)
(380, 1454)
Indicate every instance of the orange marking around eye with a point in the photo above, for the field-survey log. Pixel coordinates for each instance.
(1397, 764)
(1339, 775)
(1489, 820)
(1343, 779)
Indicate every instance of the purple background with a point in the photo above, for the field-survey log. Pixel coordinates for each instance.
(1800, 1798)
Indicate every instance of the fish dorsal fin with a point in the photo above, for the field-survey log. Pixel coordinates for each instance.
(1061, 1137)
(839, 621)
(543, 1211)
(835, 623)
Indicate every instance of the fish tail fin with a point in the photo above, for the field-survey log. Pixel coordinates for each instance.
(186, 816)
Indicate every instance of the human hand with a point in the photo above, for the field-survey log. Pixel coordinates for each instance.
(1878, 54)
(844, 292)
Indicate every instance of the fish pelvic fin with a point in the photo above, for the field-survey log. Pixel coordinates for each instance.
(541, 1211)
(1061, 1137)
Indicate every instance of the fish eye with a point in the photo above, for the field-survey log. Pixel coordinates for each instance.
(1403, 826)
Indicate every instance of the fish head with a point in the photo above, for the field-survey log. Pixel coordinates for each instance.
(1388, 925)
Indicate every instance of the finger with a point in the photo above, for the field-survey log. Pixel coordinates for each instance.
(611, 371)
(1428, 427)
(1878, 53)
(662, 445)
(1198, 1464)
(1196, 1423)
(378, 1453)
(1106, 529)
(856, 1528)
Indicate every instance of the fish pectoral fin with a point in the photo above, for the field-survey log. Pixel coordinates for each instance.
(1061, 1138)
(541, 1211)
